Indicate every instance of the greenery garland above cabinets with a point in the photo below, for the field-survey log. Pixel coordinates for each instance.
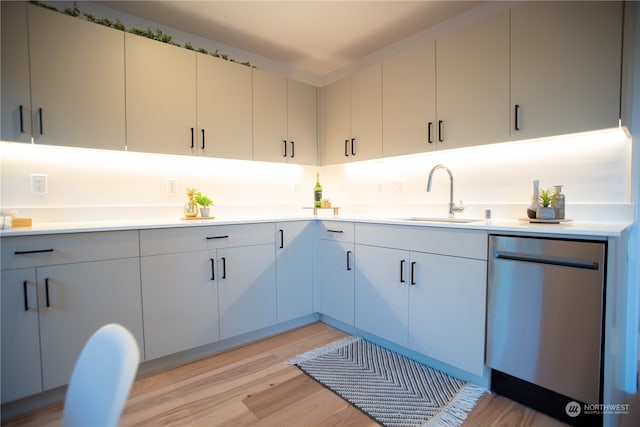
(154, 34)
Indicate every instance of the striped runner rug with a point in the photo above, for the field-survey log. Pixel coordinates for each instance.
(391, 388)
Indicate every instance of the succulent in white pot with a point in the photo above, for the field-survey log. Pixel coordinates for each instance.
(204, 202)
(545, 211)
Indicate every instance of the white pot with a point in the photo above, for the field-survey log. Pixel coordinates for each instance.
(545, 213)
(204, 212)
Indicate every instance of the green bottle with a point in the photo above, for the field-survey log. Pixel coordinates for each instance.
(317, 193)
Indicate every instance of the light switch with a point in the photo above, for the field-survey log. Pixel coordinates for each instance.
(39, 183)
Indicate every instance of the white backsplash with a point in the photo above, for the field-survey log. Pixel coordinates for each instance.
(95, 185)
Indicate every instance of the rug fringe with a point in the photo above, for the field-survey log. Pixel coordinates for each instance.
(301, 358)
(455, 413)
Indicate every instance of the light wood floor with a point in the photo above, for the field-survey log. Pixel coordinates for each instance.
(251, 386)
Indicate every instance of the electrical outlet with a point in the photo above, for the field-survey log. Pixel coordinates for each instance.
(39, 183)
(172, 186)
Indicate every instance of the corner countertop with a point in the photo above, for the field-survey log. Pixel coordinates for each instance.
(598, 229)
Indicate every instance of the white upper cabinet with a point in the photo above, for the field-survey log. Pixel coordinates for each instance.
(284, 120)
(16, 96)
(77, 82)
(224, 108)
(302, 122)
(353, 115)
(161, 97)
(565, 67)
(469, 71)
(473, 84)
(409, 101)
(337, 98)
(366, 113)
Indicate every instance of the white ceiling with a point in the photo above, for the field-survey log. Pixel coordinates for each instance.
(317, 37)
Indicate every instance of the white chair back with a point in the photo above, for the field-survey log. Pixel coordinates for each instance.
(102, 378)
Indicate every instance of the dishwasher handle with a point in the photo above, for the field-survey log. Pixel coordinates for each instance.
(541, 259)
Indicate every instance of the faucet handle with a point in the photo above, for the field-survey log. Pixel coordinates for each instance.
(458, 208)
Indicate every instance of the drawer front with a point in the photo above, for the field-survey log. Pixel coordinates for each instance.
(443, 241)
(52, 249)
(336, 230)
(188, 239)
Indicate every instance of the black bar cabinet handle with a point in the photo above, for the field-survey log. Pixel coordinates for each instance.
(202, 138)
(346, 145)
(293, 149)
(429, 127)
(213, 268)
(46, 291)
(402, 270)
(334, 231)
(226, 236)
(348, 260)
(440, 133)
(281, 239)
(413, 273)
(21, 120)
(224, 268)
(515, 120)
(40, 117)
(26, 297)
(38, 251)
(192, 138)
(353, 146)
(284, 142)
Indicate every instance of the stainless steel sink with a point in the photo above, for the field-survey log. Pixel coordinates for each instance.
(437, 219)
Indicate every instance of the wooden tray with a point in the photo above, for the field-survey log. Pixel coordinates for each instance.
(545, 221)
(197, 217)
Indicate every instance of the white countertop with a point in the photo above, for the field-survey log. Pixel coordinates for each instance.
(573, 228)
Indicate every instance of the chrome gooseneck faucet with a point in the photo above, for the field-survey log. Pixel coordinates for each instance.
(452, 207)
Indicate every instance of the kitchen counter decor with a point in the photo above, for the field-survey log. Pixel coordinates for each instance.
(191, 206)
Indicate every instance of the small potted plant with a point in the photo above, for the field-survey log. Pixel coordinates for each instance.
(545, 211)
(204, 202)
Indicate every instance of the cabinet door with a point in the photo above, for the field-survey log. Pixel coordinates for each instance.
(16, 95)
(447, 306)
(366, 113)
(337, 99)
(161, 97)
(82, 298)
(180, 302)
(246, 288)
(409, 101)
(336, 268)
(381, 287)
(21, 371)
(270, 142)
(224, 108)
(302, 123)
(294, 266)
(473, 84)
(565, 67)
(77, 86)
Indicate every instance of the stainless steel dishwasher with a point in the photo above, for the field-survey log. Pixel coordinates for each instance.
(544, 321)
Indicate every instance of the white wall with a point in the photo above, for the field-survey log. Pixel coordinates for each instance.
(96, 184)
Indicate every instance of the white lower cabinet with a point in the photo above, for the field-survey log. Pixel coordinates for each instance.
(203, 284)
(447, 306)
(83, 298)
(180, 302)
(424, 289)
(57, 290)
(21, 371)
(381, 292)
(294, 269)
(336, 271)
(246, 289)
